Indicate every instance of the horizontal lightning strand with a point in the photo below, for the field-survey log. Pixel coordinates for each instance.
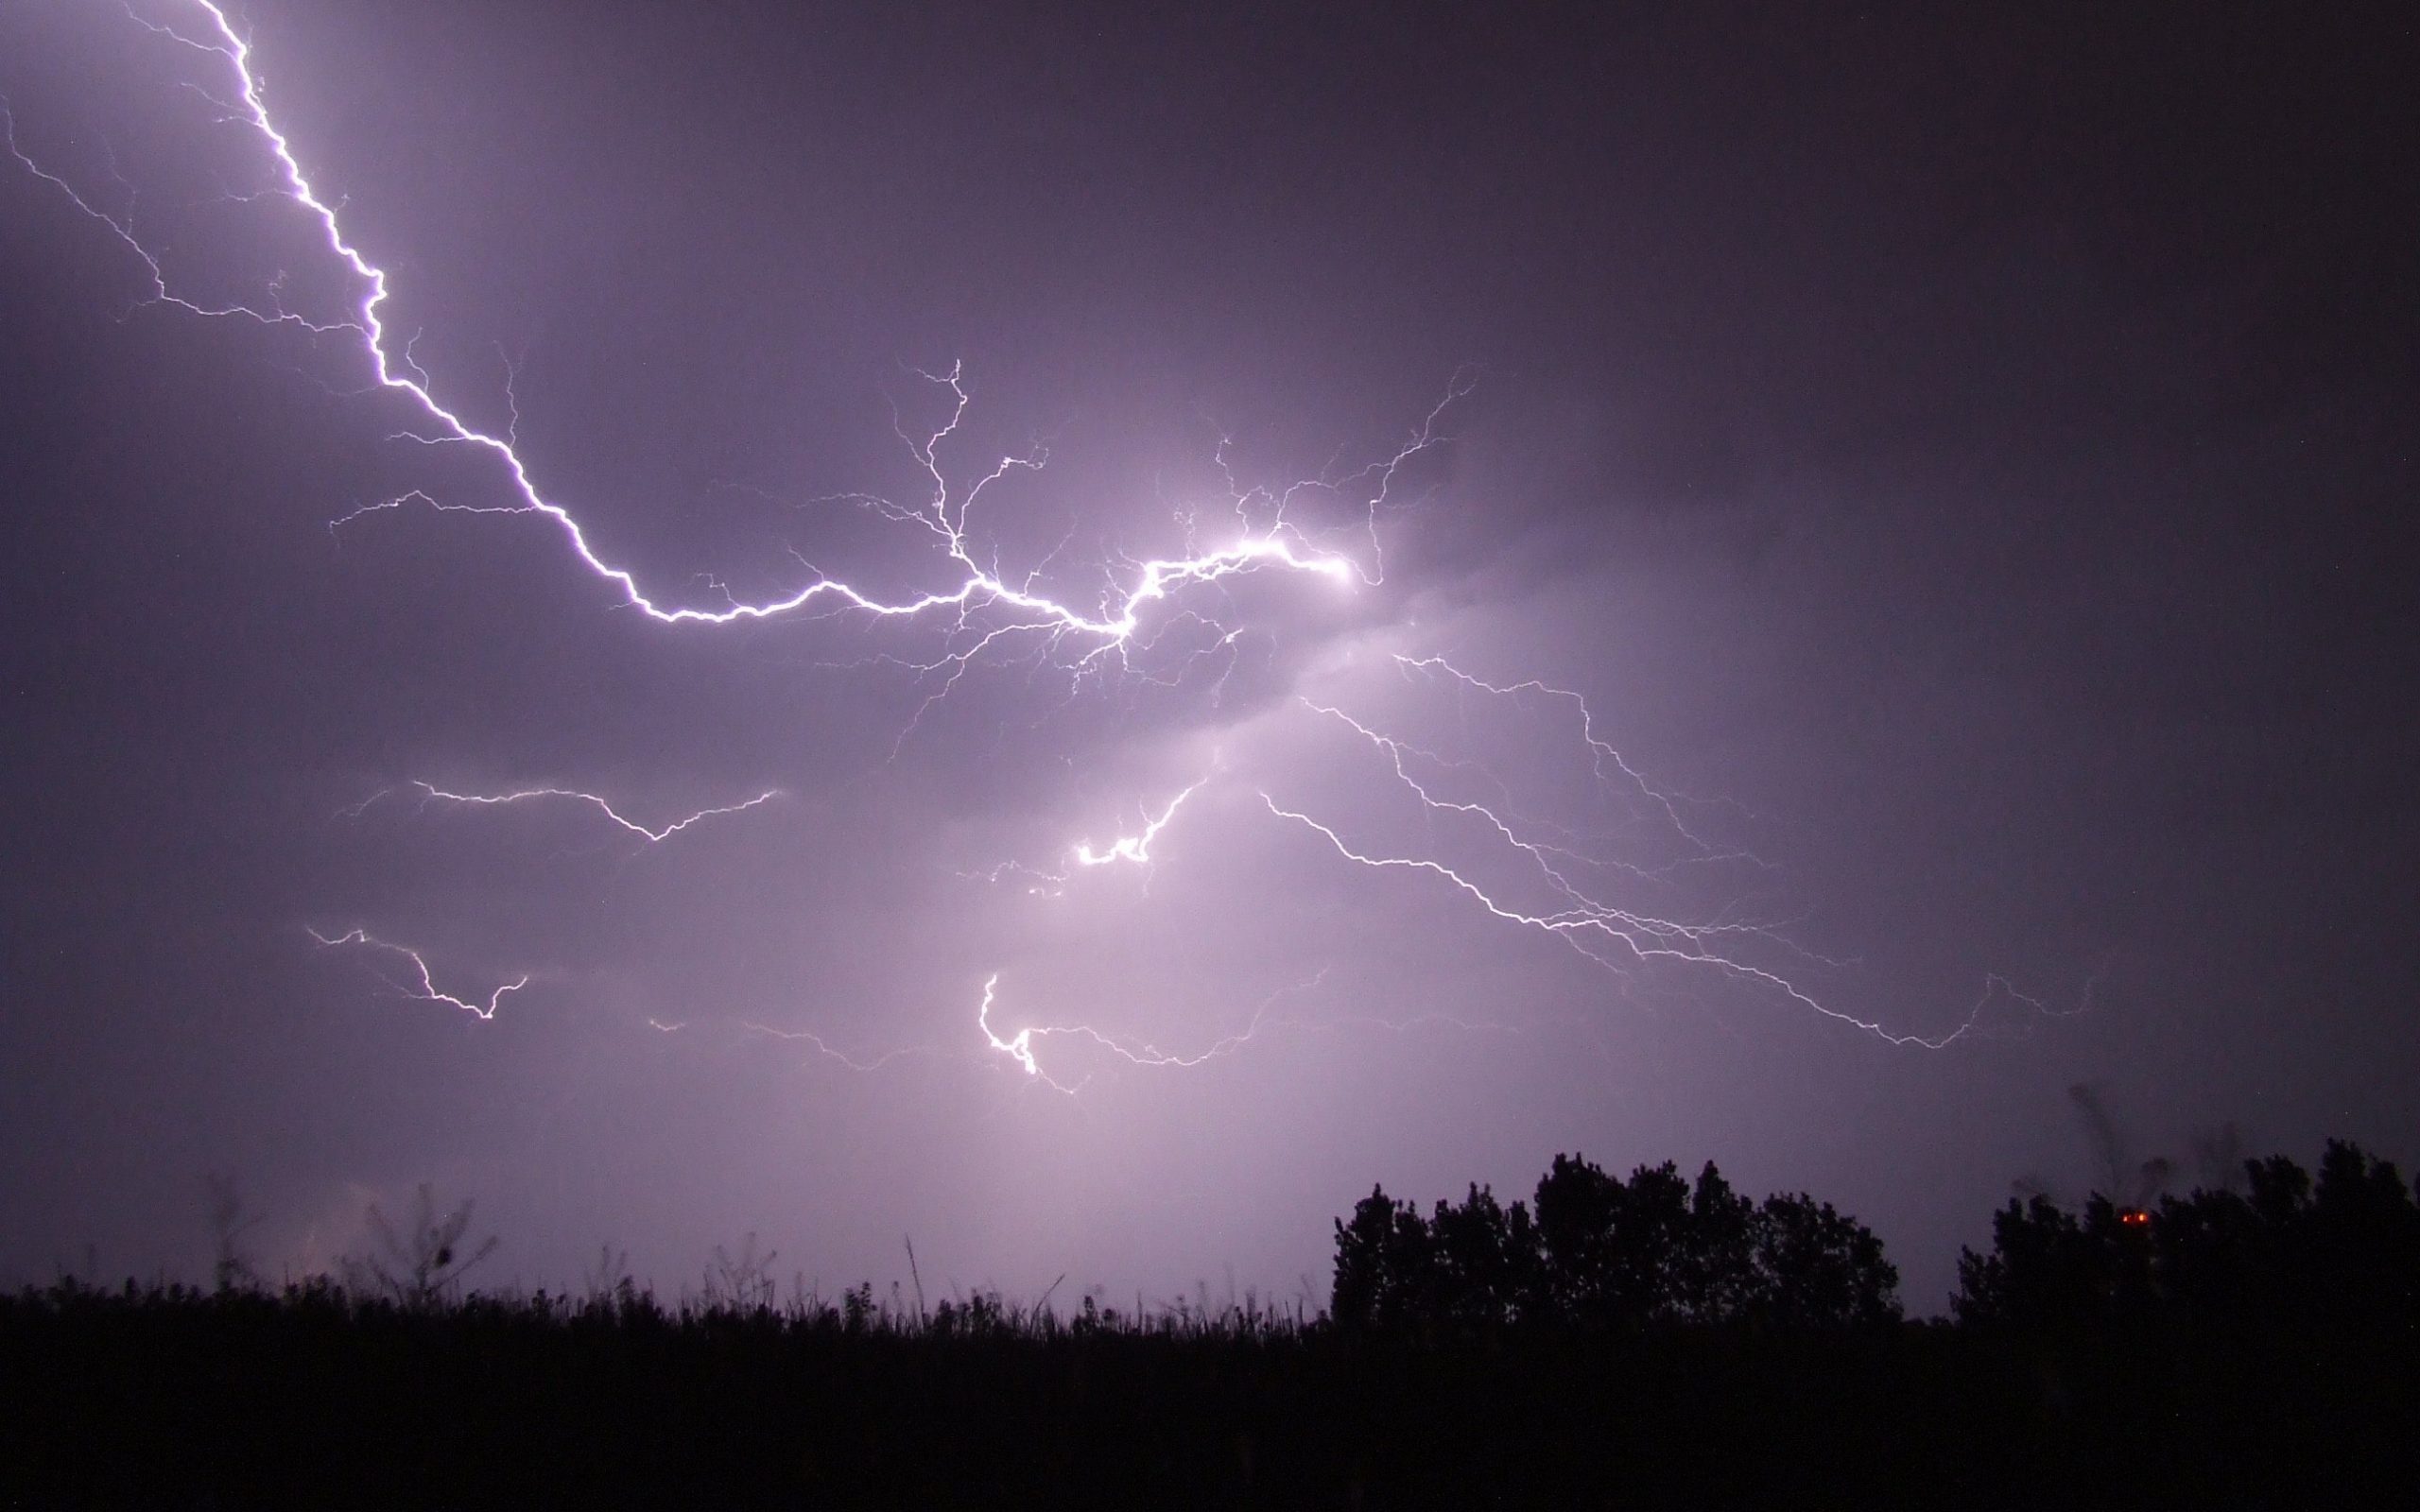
(430, 793)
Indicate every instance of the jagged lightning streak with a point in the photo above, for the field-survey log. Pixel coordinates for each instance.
(1102, 629)
(979, 606)
(1133, 849)
(1136, 847)
(823, 1047)
(1607, 934)
(1020, 1046)
(1601, 754)
(425, 990)
(430, 793)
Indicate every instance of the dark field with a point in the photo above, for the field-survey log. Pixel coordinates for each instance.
(185, 1400)
(2217, 1350)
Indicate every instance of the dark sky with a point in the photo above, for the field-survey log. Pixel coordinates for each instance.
(1962, 458)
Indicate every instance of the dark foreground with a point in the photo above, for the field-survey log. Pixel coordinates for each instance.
(180, 1398)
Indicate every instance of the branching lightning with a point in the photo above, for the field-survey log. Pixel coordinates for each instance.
(1019, 1047)
(421, 986)
(982, 612)
(1133, 849)
(1136, 847)
(1606, 933)
(823, 1047)
(981, 606)
(429, 793)
(1602, 755)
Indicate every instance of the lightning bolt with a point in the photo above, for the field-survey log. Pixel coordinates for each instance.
(1136, 847)
(422, 988)
(1605, 933)
(823, 1047)
(1133, 849)
(1602, 755)
(1015, 609)
(432, 794)
(1020, 1047)
(984, 610)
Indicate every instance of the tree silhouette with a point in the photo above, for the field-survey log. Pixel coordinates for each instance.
(1384, 1264)
(2339, 1254)
(1819, 1268)
(2052, 1270)
(1486, 1259)
(1613, 1252)
(1604, 1253)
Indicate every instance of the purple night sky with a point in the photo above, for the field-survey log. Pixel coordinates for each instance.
(1896, 513)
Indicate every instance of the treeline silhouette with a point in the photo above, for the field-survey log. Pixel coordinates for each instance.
(2291, 1255)
(1607, 1341)
(1595, 1251)
(2327, 1260)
